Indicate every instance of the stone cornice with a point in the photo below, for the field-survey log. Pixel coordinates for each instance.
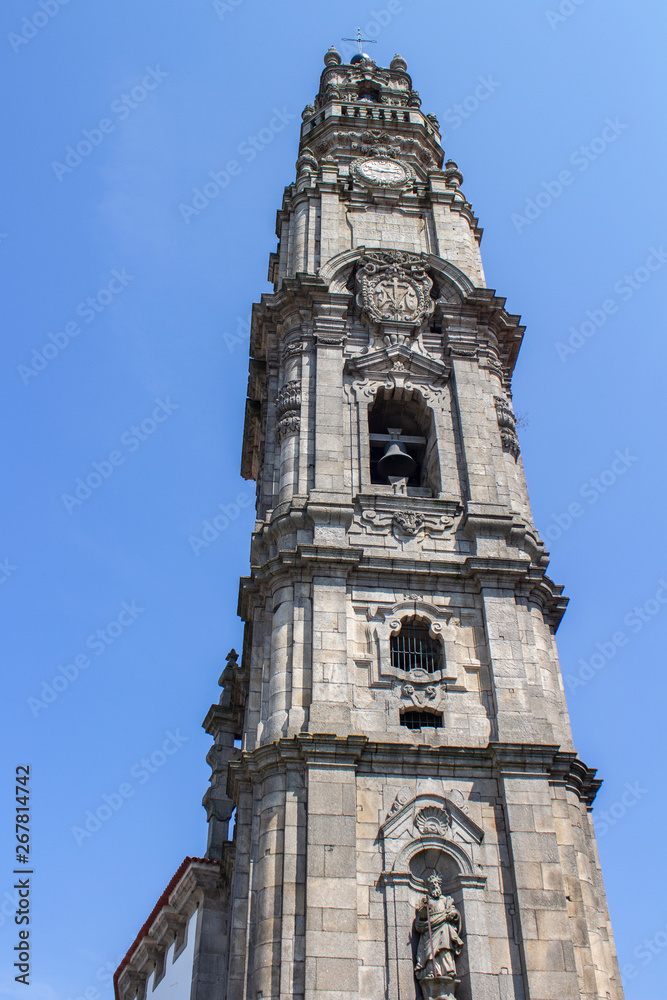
(454, 200)
(334, 560)
(490, 309)
(284, 308)
(547, 761)
(522, 574)
(338, 130)
(562, 767)
(540, 589)
(225, 719)
(310, 304)
(569, 771)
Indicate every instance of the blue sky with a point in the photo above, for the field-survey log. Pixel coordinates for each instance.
(145, 313)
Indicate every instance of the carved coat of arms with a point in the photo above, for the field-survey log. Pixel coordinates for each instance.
(393, 288)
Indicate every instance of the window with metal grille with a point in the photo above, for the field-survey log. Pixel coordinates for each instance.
(413, 648)
(421, 720)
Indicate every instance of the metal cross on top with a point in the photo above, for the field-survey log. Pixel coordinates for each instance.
(359, 40)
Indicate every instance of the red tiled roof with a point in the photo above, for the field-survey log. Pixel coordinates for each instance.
(162, 901)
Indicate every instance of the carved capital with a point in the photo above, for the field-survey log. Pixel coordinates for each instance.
(291, 350)
(289, 398)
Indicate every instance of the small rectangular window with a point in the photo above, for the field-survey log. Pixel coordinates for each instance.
(421, 720)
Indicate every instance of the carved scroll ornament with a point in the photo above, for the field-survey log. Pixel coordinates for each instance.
(507, 425)
(405, 524)
(288, 410)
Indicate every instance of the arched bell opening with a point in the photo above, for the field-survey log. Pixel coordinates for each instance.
(402, 443)
(369, 93)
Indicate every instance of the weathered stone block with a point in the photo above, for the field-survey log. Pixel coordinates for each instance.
(340, 975)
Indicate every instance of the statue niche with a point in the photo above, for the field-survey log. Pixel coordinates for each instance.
(438, 924)
(432, 887)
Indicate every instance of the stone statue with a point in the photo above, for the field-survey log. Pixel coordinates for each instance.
(439, 925)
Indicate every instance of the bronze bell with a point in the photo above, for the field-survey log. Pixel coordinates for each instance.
(396, 463)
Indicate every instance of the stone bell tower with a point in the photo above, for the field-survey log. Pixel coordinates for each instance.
(411, 817)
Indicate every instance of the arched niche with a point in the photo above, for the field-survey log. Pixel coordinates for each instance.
(428, 834)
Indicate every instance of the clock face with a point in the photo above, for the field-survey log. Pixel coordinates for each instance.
(382, 171)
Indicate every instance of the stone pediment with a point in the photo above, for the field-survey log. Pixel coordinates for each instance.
(429, 830)
(430, 815)
(398, 360)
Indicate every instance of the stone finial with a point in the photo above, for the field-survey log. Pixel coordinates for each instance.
(453, 176)
(307, 111)
(306, 161)
(398, 63)
(332, 57)
(232, 661)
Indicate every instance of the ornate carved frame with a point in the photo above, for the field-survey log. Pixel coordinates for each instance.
(397, 381)
(384, 621)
